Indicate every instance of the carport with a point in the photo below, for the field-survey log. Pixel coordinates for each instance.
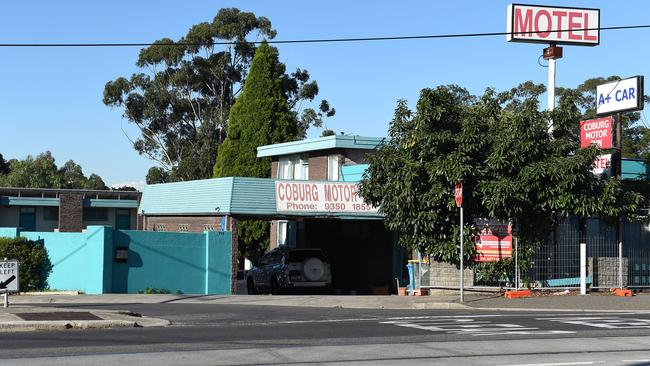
(364, 256)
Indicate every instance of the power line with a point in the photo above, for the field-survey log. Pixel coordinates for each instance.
(319, 40)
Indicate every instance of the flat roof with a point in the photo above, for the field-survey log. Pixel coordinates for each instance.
(320, 143)
(55, 192)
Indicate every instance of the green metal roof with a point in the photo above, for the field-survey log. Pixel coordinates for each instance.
(321, 143)
(251, 197)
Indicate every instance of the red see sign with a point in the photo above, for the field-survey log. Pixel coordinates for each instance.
(596, 131)
(458, 193)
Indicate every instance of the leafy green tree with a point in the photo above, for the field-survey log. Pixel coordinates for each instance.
(327, 132)
(182, 101)
(35, 265)
(95, 182)
(498, 145)
(260, 116)
(4, 167)
(72, 175)
(42, 172)
(124, 188)
(157, 175)
(39, 172)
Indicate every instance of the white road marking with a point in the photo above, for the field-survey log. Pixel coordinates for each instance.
(471, 326)
(608, 322)
(558, 363)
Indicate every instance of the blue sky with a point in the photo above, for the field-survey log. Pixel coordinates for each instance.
(51, 97)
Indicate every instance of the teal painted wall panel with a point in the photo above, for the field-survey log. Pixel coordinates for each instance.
(77, 259)
(9, 232)
(205, 196)
(634, 170)
(29, 201)
(191, 263)
(353, 173)
(218, 263)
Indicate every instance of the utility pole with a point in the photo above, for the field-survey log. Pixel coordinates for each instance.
(551, 53)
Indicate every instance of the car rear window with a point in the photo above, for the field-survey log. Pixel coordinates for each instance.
(301, 255)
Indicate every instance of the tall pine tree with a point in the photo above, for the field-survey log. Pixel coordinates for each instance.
(260, 116)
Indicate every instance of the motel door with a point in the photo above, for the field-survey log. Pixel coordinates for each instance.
(123, 219)
(27, 219)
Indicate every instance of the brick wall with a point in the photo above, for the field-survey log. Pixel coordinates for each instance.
(194, 224)
(70, 212)
(232, 225)
(139, 222)
(273, 238)
(447, 275)
(318, 167)
(274, 168)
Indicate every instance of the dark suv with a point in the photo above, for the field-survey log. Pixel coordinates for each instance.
(283, 268)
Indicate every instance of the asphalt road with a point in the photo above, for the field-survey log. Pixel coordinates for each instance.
(208, 334)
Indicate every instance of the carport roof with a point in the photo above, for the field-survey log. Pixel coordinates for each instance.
(321, 143)
(247, 197)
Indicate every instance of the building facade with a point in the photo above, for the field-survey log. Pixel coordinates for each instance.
(67, 210)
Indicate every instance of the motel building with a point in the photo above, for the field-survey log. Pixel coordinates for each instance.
(67, 210)
(311, 202)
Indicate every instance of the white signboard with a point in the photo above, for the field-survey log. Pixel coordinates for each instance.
(602, 164)
(552, 24)
(9, 276)
(334, 197)
(620, 96)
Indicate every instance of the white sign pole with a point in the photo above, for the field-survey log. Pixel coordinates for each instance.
(583, 269)
(6, 295)
(462, 271)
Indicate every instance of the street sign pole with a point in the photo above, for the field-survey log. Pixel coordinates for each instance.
(462, 270)
(458, 195)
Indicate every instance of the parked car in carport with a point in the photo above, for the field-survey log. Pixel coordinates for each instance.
(290, 268)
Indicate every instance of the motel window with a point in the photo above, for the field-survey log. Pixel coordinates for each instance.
(50, 213)
(95, 214)
(282, 233)
(293, 167)
(333, 167)
(286, 233)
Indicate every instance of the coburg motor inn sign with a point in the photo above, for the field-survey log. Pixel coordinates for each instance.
(292, 196)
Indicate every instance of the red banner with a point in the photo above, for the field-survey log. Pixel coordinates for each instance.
(494, 241)
(596, 131)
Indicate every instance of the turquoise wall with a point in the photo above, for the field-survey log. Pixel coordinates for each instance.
(78, 259)
(189, 263)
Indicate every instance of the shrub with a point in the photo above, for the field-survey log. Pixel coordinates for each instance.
(35, 265)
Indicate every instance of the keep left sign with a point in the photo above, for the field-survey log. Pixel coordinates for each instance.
(620, 96)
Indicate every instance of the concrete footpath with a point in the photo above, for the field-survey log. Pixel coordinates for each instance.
(27, 312)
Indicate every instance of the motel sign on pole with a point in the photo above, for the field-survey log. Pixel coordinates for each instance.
(458, 195)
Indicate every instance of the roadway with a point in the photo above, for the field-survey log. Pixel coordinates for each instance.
(234, 334)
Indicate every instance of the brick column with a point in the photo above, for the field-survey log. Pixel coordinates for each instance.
(70, 212)
(232, 225)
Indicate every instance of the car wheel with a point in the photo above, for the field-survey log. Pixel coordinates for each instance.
(250, 285)
(275, 286)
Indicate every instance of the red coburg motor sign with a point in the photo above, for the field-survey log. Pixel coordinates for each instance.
(596, 131)
(552, 24)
